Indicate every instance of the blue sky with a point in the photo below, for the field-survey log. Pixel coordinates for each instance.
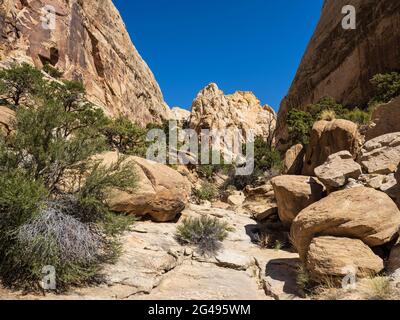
(251, 45)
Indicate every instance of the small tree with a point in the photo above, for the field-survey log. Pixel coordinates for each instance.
(18, 82)
(387, 86)
(299, 126)
(126, 137)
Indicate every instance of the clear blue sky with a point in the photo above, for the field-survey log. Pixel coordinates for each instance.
(251, 45)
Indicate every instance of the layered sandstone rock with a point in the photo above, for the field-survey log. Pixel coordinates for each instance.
(358, 213)
(340, 63)
(385, 119)
(180, 115)
(241, 111)
(338, 169)
(293, 160)
(294, 193)
(336, 257)
(260, 201)
(7, 116)
(161, 193)
(327, 138)
(89, 43)
(381, 155)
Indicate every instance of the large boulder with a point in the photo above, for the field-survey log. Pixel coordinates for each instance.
(338, 169)
(385, 119)
(260, 201)
(336, 257)
(327, 138)
(162, 192)
(293, 160)
(294, 193)
(381, 155)
(7, 117)
(358, 213)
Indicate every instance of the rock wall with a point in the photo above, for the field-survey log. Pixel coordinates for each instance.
(340, 63)
(89, 43)
(212, 109)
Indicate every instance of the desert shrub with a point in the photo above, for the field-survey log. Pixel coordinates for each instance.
(126, 137)
(387, 86)
(206, 233)
(52, 71)
(54, 238)
(41, 223)
(359, 116)
(207, 192)
(299, 126)
(18, 82)
(378, 288)
(327, 115)
(208, 171)
(303, 279)
(300, 122)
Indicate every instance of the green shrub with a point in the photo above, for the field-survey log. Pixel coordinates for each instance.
(126, 137)
(300, 122)
(207, 192)
(359, 116)
(387, 86)
(57, 132)
(18, 82)
(299, 126)
(206, 233)
(52, 71)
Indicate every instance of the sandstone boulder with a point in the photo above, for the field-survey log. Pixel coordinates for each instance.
(337, 170)
(293, 160)
(328, 138)
(381, 155)
(294, 193)
(7, 116)
(337, 257)
(385, 119)
(358, 213)
(162, 192)
(260, 202)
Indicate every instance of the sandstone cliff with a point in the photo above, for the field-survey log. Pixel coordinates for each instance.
(212, 109)
(89, 43)
(339, 63)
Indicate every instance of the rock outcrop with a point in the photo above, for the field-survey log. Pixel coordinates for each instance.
(358, 213)
(89, 43)
(260, 201)
(241, 111)
(162, 192)
(337, 257)
(293, 160)
(327, 138)
(338, 169)
(385, 119)
(340, 63)
(381, 155)
(7, 116)
(294, 193)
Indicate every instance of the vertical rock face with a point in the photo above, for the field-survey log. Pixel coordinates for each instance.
(89, 43)
(340, 63)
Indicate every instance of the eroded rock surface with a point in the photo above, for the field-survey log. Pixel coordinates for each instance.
(89, 43)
